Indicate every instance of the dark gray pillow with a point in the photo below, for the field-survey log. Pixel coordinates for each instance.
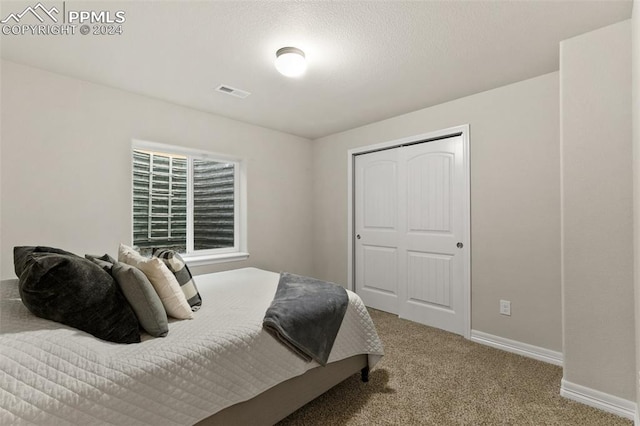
(142, 297)
(105, 261)
(179, 268)
(76, 292)
(21, 255)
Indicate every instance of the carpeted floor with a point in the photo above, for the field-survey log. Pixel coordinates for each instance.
(431, 377)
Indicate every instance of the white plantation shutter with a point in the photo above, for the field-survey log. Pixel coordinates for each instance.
(161, 184)
(213, 204)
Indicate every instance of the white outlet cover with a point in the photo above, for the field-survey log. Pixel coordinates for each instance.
(505, 307)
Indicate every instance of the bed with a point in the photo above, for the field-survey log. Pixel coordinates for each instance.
(219, 368)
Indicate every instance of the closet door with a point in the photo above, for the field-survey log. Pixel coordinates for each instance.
(410, 212)
(376, 229)
(431, 210)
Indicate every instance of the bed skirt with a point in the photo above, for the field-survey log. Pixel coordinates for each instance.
(283, 399)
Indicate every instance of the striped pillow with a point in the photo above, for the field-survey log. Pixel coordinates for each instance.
(176, 264)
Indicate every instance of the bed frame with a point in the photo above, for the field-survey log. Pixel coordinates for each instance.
(283, 399)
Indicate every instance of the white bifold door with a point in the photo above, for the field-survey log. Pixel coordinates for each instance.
(410, 251)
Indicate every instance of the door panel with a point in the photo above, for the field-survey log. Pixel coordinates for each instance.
(379, 185)
(430, 279)
(429, 198)
(380, 269)
(376, 247)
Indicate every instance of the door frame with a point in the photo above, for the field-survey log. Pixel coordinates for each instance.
(463, 131)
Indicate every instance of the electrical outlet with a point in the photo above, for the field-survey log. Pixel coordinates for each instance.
(505, 307)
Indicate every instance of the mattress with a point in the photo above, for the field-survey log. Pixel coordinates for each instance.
(54, 374)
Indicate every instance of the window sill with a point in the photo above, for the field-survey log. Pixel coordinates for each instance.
(210, 259)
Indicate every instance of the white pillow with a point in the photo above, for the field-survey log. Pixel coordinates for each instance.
(162, 280)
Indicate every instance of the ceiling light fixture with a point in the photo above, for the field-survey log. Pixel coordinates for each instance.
(290, 61)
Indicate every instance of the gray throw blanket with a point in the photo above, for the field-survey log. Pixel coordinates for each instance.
(306, 314)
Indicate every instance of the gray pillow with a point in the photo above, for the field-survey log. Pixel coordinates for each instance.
(142, 297)
(105, 261)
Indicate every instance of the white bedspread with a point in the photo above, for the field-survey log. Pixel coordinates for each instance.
(53, 374)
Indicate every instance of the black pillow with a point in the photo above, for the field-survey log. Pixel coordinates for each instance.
(66, 288)
(21, 255)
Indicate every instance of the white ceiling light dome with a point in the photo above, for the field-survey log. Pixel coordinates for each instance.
(290, 61)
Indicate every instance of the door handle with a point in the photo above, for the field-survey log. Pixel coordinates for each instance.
(358, 236)
(459, 245)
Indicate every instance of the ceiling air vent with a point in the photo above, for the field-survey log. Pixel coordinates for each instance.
(232, 91)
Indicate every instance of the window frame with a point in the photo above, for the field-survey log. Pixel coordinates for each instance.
(193, 257)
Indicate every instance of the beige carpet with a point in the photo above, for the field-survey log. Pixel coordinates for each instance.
(431, 377)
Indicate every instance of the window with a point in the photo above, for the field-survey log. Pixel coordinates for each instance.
(189, 201)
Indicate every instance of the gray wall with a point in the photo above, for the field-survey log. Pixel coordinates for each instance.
(635, 44)
(66, 169)
(597, 210)
(515, 198)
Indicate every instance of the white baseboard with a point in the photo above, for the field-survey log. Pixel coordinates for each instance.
(524, 349)
(591, 397)
(603, 401)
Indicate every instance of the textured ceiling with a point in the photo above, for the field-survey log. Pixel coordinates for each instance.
(367, 60)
